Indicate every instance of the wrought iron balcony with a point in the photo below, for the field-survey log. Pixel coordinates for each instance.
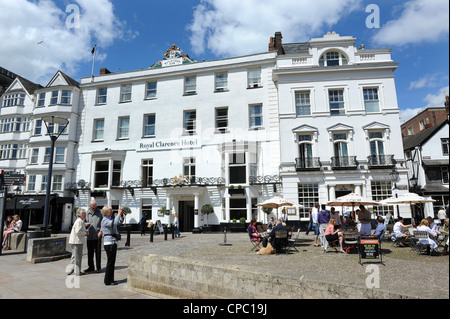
(344, 162)
(381, 161)
(307, 164)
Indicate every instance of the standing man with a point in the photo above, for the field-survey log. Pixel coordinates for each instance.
(94, 218)
(323, 218)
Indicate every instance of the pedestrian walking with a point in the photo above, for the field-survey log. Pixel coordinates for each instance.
(76, 239)
(94, 238)
(109, 230)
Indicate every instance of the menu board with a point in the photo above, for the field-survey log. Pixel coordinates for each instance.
(369, 248)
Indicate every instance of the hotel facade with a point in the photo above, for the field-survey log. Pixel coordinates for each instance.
(307, 121)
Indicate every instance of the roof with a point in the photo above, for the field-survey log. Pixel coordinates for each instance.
(421, 138)
(296, 48)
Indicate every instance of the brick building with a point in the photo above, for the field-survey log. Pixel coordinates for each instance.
(426, 119)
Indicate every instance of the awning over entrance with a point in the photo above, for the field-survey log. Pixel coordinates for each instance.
(31, 202)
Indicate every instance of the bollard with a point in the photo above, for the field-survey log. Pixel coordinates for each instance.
(152, 230)
(165, 232)
(127, 244)
(225, 238)
(172, 229)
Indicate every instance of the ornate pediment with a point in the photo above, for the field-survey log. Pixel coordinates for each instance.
(173, 56)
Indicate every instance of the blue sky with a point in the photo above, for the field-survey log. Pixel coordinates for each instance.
(134, 34)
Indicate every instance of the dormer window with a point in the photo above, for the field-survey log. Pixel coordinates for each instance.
(332, 58)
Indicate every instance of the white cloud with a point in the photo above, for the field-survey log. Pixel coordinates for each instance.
(429, 81)
(239, 27)
(420, 21)
(438, 99)
(407, 114)
(36, 42)
(431, 100)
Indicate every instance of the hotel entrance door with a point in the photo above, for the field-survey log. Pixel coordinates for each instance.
(186, 215)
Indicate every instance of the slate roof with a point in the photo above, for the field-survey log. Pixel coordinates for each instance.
(296, 48)
(419, 139)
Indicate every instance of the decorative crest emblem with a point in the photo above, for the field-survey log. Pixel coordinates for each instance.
(173, 53)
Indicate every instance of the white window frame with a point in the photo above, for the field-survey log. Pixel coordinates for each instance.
(371, 95)
(146, 125)
(190, 85)
(100, 97)
(254, 78)
(253, 116)
(338, 96)
(221, 81)
(187, 122)
(126, 93)
(221, 119)
(96, 131)
(301, 102)
(123, 131)
(151, 93)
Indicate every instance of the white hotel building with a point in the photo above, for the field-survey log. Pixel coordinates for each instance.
(180, 135)
(339, 123)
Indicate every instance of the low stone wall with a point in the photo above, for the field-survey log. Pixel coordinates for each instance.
(48, 249)
(189, 279)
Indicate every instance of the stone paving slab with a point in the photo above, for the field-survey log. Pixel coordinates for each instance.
(404, 271)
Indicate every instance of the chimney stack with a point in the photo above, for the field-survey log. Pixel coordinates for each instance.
(276, 43)
(104, 71)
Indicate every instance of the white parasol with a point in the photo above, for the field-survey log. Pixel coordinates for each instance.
(352, 200)
(407, 199)
(276, 202)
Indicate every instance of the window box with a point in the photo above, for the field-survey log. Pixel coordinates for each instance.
(98, 194)
(236, 191)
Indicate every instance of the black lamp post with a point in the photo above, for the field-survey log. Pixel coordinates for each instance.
(54, 134)
(394, 178)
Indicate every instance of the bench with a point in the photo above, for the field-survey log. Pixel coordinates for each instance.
(18, 241)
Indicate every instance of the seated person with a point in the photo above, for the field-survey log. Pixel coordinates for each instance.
(271, 224)
(15, 227)
(275, 242)
(424, 226)
(349, 222)
(398, 231)
(332, 234)
(253, 232)
(381, 228)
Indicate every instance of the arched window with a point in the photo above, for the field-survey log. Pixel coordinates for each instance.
(332, 58)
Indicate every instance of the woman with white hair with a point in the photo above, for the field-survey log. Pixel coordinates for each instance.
(76, 239)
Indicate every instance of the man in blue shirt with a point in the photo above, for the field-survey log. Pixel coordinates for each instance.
(381, 228)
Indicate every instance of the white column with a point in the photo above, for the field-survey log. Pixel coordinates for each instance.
(332, 193)
(198, 217)
(358, 190)
(168, 207)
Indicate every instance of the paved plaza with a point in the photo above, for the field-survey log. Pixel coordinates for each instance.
(404, 271)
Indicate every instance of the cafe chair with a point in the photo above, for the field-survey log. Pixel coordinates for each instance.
(420, 247)
(280, 241)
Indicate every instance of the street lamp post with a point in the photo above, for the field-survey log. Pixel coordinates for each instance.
(54, 134)
(394, 178)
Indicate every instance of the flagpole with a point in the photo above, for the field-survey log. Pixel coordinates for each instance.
(93, 63)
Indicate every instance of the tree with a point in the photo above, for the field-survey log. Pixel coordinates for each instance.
(206, 210)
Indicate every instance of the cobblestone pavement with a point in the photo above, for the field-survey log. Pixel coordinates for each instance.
(404, 271)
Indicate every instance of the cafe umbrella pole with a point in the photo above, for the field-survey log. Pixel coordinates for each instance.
(50, 124)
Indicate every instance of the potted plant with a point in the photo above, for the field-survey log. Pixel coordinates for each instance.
(232, 190)
(207, 210)
(162, 211)
(242, 219)
(267, 211)
(126, 210)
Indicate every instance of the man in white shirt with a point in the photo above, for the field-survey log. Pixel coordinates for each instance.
(315, 223)
(398, 231)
